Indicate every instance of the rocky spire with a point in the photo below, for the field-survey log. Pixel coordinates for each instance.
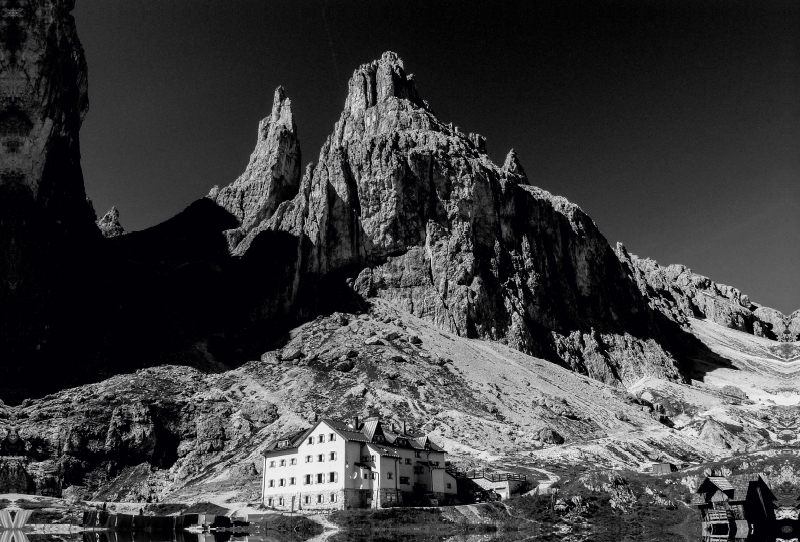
(513, 168)
(380, 81)
(109, 224)
(272, 175)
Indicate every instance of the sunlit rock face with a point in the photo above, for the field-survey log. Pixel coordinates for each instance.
(43, 85)
(271, 177)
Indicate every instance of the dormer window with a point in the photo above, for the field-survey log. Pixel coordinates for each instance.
(401, 442)
(379, 438)
(283, 443)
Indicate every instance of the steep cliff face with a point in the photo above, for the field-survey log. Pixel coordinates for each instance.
(44, 101)
(47, 230)
(413, 211)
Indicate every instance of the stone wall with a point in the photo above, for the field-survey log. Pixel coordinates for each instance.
(343, 498)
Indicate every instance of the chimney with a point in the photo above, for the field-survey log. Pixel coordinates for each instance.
(355, 423)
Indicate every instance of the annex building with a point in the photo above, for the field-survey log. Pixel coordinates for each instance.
(354, 464)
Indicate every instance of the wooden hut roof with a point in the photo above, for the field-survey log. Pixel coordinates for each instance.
(720, 482)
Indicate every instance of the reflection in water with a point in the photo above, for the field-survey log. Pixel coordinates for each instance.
(377, 535)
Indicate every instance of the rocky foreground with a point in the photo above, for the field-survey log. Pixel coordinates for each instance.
(175, 433)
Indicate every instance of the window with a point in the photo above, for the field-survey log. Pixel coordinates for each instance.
(321, 439)
(333, 477)
(293, 461)
(320, 478)
(418, 470)
(311, 440)
(282, 482)
(379, 438)
(292, 481)
(372, 475)
(332, 456)
(332, 437)
(408, 461)
(283, 444)
(368, 458)
(449, 486)
(280, 501)
(271, 464)
(321, 458)
(319, 499)
(269, 502)
(401, 442)
(417, 453)
(309, 459)
(333, 497)
(308, 478)
(306, 499)
(404, 480)
(283, 462)
(389, 475)
(272, 483)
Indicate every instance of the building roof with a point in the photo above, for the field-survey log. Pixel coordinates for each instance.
(720, 482)
(383, 451)
(292, 440)
(734, 487)
(370, 431)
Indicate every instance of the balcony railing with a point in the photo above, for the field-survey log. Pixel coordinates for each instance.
(491, 476)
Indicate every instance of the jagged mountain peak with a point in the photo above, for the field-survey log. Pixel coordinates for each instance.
(513, 167)
(109, 224)
(272, 174)
(379, 81)
(281, 113)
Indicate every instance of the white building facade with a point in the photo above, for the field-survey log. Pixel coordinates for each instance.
(339, 465)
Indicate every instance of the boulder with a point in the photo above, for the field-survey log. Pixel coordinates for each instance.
(550, 436)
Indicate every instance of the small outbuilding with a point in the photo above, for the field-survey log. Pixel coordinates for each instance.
(735, 507)
(664, 468)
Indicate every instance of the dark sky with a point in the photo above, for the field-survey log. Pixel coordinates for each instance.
(673, 124)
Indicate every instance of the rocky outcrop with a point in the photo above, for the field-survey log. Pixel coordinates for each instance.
(513, 168)
(271, 177)
(680, 294)
(109, 224)
(414, 211)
